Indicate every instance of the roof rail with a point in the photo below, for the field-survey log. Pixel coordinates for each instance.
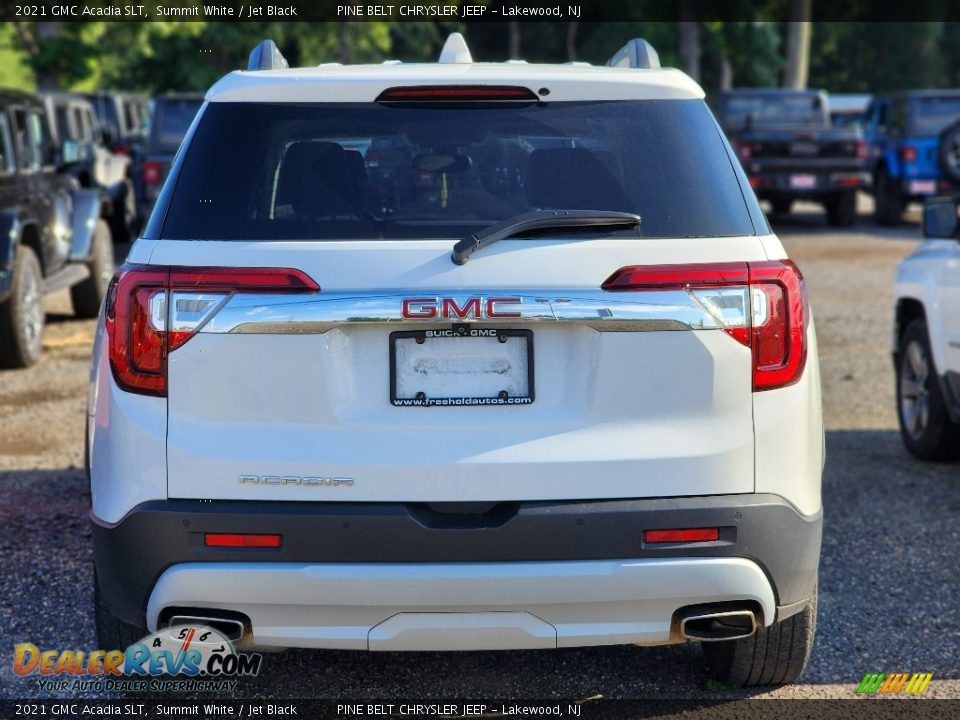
(637, 53)
(267, 56)
(455, 50)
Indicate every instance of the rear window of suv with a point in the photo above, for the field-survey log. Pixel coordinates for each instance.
(267, 171)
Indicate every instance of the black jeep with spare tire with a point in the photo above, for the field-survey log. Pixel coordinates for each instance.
(53, 234)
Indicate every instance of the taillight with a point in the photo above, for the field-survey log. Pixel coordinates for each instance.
(908, 154)
(860, 150)
(151, 172)
(120, 149)
(744, 150)
(153, 310)
(762, 305)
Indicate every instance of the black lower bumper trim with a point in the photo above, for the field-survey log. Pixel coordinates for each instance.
(132, 554)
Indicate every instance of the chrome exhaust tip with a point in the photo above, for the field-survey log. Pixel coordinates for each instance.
(718, 626)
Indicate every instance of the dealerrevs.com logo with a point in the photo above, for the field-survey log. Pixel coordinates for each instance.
(185, 657)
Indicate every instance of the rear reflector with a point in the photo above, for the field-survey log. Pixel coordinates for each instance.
(848, 181)
(241, 540)
(762, 305)
(681, 536)
(456, 93)
(151, 310)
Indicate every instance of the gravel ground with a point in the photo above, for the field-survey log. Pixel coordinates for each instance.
(889, 575)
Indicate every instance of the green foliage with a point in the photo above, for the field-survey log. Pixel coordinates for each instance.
(162, 56)
(15, 72)
(881, 57)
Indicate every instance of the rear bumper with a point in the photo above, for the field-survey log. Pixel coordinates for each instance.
(463, 606)
(512, 557)
(800, 183)
(921, 187)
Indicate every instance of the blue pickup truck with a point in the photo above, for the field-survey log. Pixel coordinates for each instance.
(914, 151)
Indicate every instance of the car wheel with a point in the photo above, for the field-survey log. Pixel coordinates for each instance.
(888, 199)
(925, 424)
(88, 294)
(842, 209)
(774, 655)
(948, 151)
(112, 632)
(123, 223)
(22, 315)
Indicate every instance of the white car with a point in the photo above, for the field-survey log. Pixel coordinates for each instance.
(926, 337)
(460, 356)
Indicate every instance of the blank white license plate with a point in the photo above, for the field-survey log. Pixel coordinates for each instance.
(461, 367)
(803, 182)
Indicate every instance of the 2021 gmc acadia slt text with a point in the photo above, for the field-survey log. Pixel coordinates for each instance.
(460, 356)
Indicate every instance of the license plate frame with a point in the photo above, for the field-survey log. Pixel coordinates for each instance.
(462, 334)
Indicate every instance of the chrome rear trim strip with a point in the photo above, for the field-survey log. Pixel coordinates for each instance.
(603, 311)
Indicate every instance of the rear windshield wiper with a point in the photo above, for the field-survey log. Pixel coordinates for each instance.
(539, 220)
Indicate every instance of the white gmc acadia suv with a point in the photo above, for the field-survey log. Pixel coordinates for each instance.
(926, 337)
(460, 356)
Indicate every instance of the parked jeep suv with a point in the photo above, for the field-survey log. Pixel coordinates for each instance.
(71, 118)
(911, 136)
(553, 384)
(52, 233)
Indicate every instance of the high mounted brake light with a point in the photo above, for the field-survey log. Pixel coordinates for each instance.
(152, 310)
(763, 305)
(456, 93)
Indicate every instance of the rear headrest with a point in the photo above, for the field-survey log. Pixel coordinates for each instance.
(572, 179)
(321, 179)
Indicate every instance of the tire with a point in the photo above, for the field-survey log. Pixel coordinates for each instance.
(123, 223)
(842, 209)
(948, 152)
(22, 315)
(888, 199)
(774, 655)
(925, 424)
(88, 295)
(112, 632)
(781, 206)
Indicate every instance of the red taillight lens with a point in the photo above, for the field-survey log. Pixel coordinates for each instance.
(860, 150)
(153, 310)
(681, 536)
(744, 150)
(771, 318)
(137, 349)
(120, 149)
(779, 344)
(674, 277)
(151, 172)
(456, 93)
(241, 540)
(908, 154)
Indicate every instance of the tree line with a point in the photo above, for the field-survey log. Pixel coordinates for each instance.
(782, 47)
